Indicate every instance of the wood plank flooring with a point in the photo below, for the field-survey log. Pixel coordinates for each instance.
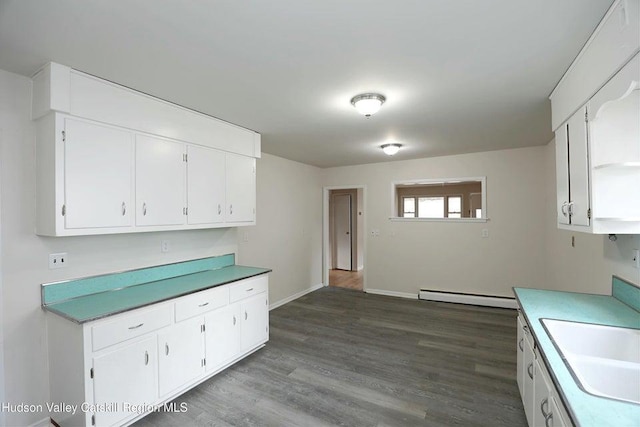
(346, 279)
(341, 357)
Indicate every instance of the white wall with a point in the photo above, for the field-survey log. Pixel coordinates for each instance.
(25, 255)
(589, 265)
(452, 256)
(288, 234)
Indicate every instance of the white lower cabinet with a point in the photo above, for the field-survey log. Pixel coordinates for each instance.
(253, 327)
(222, 336)
(119, 368)
(180, 355)
(124, 378)
(540, 399)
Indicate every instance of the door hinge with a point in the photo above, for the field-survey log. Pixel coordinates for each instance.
(64, 136)
(586, 116)
(203, 328)
(91, 373)
(185, 211)
(184, 157)
(589, 213)
(203, 362)
(93, 420)
(64, 210)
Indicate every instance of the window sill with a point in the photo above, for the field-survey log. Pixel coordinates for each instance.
(401, 219)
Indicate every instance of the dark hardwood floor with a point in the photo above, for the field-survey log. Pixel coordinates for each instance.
(341, 357)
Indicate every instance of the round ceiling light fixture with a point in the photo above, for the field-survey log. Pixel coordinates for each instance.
(390, 149)
(368, 103)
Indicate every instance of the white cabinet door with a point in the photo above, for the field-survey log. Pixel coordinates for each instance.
(127, 375)
(562, 174)
(160, 182)
(240, 188)
(98, 176)
(180, 354)
(541, 396)
(520, 358)
(205, 185)
(578, 169)
(254, 323)
(222, 336)
(529, 384)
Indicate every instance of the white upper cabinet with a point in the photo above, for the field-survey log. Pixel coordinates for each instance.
(114, 160)
(240, 188)
(205, 185)
(160, 182)
(98, 171)
(596, 118)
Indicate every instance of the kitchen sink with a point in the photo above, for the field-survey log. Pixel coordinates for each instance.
(604, 360)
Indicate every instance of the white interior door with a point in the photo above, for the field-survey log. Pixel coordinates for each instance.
(342, 230)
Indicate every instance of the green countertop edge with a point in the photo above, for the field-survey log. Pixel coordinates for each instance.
(585, 409)
(99, 305)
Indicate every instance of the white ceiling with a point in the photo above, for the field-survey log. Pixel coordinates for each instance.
(459, 76)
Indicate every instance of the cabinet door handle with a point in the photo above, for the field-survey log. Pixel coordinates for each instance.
(563, 208)
(245, 315)
(219, 209)
(124, 209)
(520, 344)
(166, 349)
(545, 401)
(530, 370)
(146, 358)
(548, 420)
(570, 208)
(231, 209)
(234, 320)
(136, 327)
(249, 290)
(203, 304)
(525, 328)
(144, 209)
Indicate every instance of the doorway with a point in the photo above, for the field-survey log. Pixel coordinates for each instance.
(343, 238)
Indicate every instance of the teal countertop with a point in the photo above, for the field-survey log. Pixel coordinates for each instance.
(585, 409)
(95, 306)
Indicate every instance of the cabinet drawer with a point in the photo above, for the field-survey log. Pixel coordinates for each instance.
(201, 302)
(249, 287)
(130, 325)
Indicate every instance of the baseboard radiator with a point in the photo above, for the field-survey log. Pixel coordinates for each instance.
(462, 298)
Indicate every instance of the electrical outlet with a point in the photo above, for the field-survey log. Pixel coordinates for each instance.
(58, 260)
(636, 258)
(165, 246)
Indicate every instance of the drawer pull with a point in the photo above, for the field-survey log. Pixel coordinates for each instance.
(545, 401)
(136, 327)
(144, 209)
(203, 305)
(520, 344)
(219, 209)
(548, 420)
(249, 290)
(530, 370)
(166, 349)
(146, 358)
(234, 320)
(245, 315)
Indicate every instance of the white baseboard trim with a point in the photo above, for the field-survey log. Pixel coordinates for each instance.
(45, 422)
(294, 296)
(487, 301)
(391, 293)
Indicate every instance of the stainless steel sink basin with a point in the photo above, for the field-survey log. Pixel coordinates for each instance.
(604, 360)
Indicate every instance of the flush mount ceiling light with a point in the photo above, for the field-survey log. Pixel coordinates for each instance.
(368, 103)
(390, 149)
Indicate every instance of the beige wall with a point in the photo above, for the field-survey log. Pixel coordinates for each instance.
(452, 256)
(25, 255)
(589, 265)
(288, 234)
